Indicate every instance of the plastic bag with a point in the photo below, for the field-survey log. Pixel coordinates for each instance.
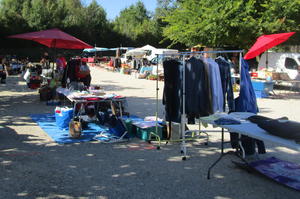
(27, 75)
(63, 116)
(117, 127)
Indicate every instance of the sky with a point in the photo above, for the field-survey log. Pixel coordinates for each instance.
(113, 7)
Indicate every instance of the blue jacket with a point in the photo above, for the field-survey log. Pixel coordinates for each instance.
(216, 85)
(224, 67)
(246, 102)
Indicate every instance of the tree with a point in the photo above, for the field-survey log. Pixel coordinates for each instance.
(130, 20)
(219, 23)
(94, 20)
(86, 22)
(164, 7)
(75, 12)
(44, 14)
(11, 17)
(137, 25)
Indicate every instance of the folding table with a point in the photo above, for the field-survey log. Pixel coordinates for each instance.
(252, 130)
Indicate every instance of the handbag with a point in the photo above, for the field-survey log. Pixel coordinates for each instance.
(75, 128)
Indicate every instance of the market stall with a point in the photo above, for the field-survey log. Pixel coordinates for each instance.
(88, 103)
(52, 38)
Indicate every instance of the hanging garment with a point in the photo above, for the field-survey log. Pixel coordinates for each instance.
(216, 86)
(246, 102)
(225, 74)
(197, 87)
(172, 90)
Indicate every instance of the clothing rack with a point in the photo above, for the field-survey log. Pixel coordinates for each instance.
(183, 115)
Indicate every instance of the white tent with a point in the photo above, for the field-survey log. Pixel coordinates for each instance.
(137, 52)
(148, 47)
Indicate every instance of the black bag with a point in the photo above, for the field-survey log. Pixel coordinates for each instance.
(45, 93)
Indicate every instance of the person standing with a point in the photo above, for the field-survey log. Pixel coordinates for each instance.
(83, 74)
(45, 61)
(60, 64)
(2, 70)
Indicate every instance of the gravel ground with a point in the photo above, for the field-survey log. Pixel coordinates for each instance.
(32, 166)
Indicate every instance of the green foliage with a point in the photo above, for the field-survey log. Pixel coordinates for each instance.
(141, 27)
(219, 23)
(11, 17)
(131, 20)
(134, 26)
(88, 23)
(180, 23)
(44, 14)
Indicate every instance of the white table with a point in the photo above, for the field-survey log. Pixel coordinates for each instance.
(251, 130)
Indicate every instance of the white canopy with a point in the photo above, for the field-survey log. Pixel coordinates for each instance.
(148, 47)
(138, 52)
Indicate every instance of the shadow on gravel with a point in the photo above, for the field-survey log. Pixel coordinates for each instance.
(143, 107)
(16, 84)
(15, 110)
(31, 168)
(125, 170)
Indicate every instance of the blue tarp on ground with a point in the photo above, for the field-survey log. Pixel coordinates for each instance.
(284, 172)
(47, 123)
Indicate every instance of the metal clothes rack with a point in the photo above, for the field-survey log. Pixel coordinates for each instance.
(183, 115)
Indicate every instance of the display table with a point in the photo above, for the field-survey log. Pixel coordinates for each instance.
(85, 97)
(88, 96)
(253, 130)
(81, 100)
(248, 129)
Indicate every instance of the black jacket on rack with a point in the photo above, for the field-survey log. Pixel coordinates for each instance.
(225, 73)
(197, 87)
(172, 90)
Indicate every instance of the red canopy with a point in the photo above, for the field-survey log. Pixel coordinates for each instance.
(53, 38)
(266, 42)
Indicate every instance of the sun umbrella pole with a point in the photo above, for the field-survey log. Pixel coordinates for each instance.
(54, 58)
(267, 57)
(157, 89)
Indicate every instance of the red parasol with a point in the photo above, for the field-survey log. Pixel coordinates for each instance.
(53, 38)
(266, 42)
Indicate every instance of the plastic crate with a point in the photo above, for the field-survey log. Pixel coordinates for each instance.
(128, 122)
(145, 133)
(261, 94)
(263, 86)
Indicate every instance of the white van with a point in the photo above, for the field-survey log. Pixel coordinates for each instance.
(281, 62)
